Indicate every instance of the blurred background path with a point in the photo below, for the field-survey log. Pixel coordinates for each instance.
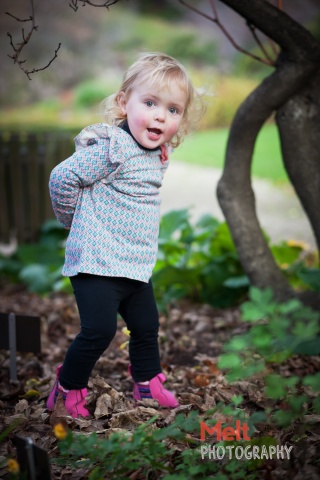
(279, 210)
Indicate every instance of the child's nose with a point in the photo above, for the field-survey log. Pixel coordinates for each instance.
(160, 114)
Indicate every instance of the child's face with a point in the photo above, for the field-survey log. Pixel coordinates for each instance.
(153, 115)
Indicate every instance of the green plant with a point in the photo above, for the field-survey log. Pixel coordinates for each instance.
(198, 262)
(39, 265)
(91, 93)
(149, 450)
(276, 332)
(181, 41)
(194, 261)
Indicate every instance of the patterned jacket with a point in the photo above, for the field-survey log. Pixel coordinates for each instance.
(107, 193)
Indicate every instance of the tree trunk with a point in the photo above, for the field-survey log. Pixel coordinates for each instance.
(297, 63)
(299, 120)
(235, 193)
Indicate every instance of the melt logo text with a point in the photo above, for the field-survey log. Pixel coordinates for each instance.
(227, 433)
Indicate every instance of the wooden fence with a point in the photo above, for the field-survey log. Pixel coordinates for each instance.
(26, 161)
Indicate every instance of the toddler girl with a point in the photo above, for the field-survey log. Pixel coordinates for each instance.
(107, 194)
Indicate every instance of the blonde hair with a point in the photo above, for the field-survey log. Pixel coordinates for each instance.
(157, 69)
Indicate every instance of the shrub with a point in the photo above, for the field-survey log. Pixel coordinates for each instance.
(224, 96)
(276, 332)
(170, 453)
(91, 93)
(154, 34)
(197, 261)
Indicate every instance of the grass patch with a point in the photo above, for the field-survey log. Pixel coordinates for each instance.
(207, 148)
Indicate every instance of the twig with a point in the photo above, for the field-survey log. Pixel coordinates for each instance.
(19, 19)
(25, 39)
(34, 70)
(258, 41)
(74, 4)
(194, 9)
(19, 46)
(274, 47)
(216, 20)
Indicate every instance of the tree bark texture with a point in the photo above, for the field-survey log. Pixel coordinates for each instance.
(299, 127)
(297, 64)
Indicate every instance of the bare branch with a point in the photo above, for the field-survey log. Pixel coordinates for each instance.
(105, 4)
(261, 46)
(35, 70)
(74, 5)
(194, 9)
(274, 47)
(18, 48)
(19, 19)
(215, 19)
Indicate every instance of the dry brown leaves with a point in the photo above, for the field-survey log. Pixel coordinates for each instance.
(191, 338)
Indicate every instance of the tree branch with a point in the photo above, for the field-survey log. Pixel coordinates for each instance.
(19, 19)
(35, 70)
(18, 48)
(261, 46)
(106, 4)
(215, 19)
(291, 37)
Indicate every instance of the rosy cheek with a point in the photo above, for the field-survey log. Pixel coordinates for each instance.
(142, 121)
(174, 127)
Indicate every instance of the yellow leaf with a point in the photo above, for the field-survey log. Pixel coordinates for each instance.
(60, 431)
(123, 345)
(298, 244)
(32, 382)
(31, 393)
(13, 466)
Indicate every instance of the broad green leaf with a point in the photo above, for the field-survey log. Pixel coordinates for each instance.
(312, 381)
(297, 402)
(251, 312)
(291, 381)
(237, 399)
(237, 344)
(36, 277)
(275, 387)
(229, 360)
(311, 277)
(283, 418)
(306, 329)
(173, 221)
(285, 254)
(308, 347)
(261, 297)
(290, 306)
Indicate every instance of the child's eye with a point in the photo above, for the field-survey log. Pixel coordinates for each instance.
(173, 110)
(150, 103)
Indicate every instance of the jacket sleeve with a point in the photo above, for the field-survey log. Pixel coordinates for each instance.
(82, 169)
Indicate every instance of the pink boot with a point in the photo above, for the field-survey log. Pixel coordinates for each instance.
(74, 400)
(155, 391)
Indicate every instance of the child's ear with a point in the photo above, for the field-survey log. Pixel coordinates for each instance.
(121, 99)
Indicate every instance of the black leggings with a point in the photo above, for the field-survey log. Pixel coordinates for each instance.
(99, 299)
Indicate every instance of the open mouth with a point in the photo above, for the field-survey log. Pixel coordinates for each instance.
(154, 131)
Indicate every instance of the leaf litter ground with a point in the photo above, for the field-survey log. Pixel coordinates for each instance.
(191, 338)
